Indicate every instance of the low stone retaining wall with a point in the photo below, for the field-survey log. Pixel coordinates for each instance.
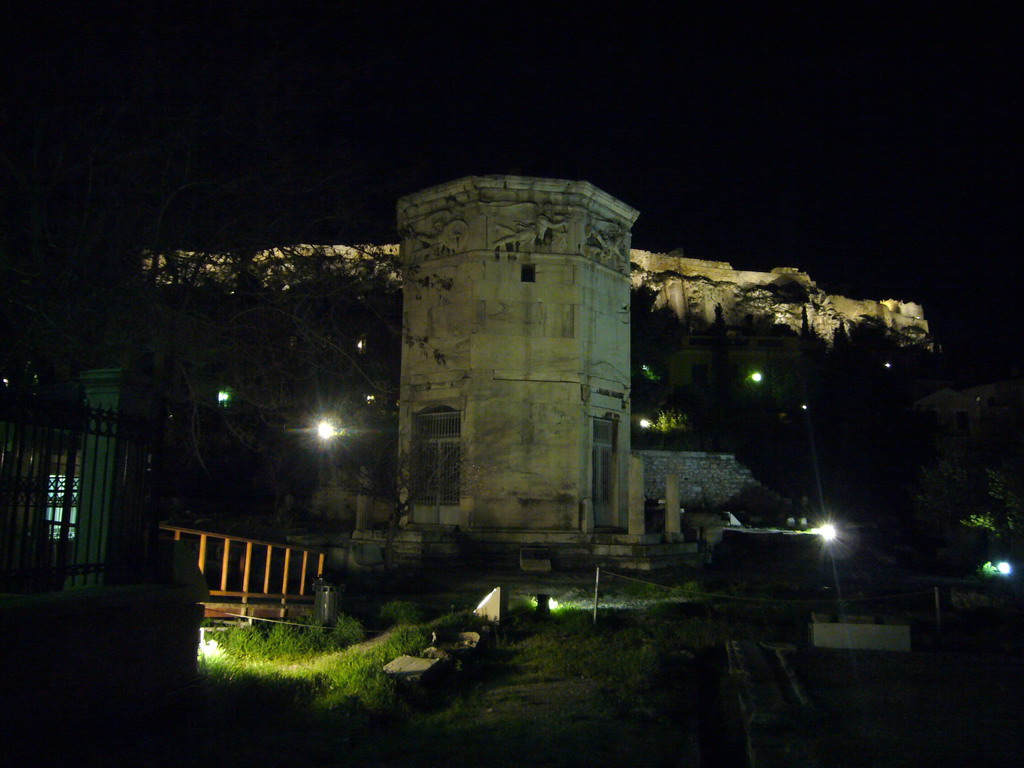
(706, 480)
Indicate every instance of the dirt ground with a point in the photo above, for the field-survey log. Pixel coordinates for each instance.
(884, 709)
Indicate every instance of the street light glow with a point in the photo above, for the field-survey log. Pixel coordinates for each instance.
(1004, 568)
(325, 430)
(756, 376)
(827, 532)
(645, 423)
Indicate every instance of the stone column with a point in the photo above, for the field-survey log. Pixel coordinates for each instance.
(586, 516)
(96, 513)
(636, 496)
(671, 503)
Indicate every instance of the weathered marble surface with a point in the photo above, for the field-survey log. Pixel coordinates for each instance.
(530, 356)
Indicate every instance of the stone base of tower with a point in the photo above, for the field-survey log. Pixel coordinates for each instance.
(421, 545)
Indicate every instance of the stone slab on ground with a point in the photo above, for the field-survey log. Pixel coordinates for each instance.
(859, 633)
(409, 669)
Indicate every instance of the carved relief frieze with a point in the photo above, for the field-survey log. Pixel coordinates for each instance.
(606, 242)
(442, 233)
(528, 227)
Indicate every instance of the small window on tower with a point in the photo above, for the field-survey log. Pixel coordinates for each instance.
(528, 273)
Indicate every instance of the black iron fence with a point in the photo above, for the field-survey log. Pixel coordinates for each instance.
(73, 496)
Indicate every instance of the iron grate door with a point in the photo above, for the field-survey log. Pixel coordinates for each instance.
(438, 458)
(602, 455)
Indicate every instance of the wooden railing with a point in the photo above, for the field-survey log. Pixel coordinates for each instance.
(229, 563)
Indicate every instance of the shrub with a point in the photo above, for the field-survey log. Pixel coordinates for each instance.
(454, 620)
(346, 631)
(400, 612)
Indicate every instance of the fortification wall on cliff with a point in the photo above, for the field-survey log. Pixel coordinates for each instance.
(692, 288)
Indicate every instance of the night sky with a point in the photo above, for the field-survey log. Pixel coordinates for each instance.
(874, 145)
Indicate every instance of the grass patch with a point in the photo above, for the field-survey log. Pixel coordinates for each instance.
(274, 641)
(613, 684)
(619, 658)
(400, 612)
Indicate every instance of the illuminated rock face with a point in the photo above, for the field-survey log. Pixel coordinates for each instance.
(692, 288)
(515, 410)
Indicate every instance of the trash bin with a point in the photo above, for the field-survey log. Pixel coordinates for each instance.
(325, 607)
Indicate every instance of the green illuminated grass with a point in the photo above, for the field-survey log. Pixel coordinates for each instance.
(597, 691)
(301, 668)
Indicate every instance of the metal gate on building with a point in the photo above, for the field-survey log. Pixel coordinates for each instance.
(438, 458)
(602, 469)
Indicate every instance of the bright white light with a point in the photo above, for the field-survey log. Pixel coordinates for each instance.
(370, 398)
(223, 396)
(1004, 568)
(645, 423)
(552, 604)
(827, 532)
(755, 376)
(804, 406)
(888, 365)
(208, 648)
(326, 430)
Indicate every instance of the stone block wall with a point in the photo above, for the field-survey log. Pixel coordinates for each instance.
(706, 480)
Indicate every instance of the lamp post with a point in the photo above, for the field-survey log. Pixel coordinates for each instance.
(325, 430)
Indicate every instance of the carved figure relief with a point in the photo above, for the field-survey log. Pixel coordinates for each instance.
(605, 242)
(445, 233)
(528, 227)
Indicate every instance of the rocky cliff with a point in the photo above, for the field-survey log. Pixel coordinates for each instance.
(692, 288)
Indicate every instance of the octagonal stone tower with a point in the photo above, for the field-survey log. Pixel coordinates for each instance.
(515, 406)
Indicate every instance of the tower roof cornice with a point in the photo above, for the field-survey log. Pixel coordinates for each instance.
(515, 189)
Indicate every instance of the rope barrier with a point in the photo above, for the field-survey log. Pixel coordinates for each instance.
(295, 623)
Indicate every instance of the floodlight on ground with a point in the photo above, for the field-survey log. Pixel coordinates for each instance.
(208, 647)
(827, 532)
(1004, 568)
